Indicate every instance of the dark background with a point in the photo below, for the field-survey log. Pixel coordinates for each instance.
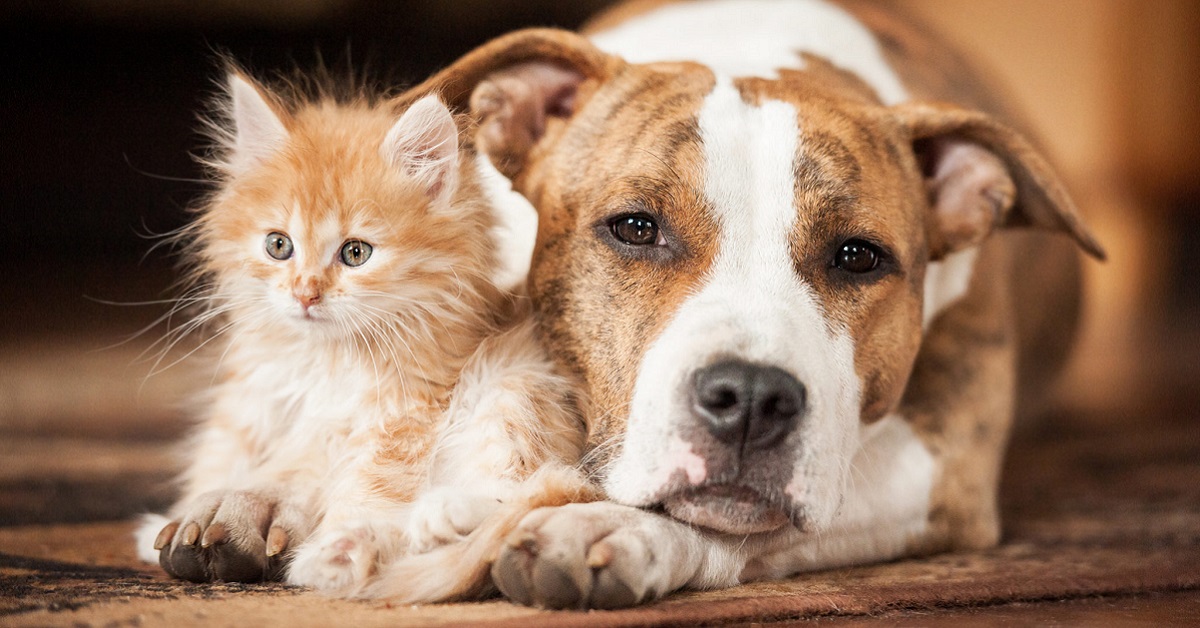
(100, 101)
(98, 115)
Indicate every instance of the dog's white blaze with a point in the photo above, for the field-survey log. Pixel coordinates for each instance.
(751, 306)
(755, 38)
(947, 281)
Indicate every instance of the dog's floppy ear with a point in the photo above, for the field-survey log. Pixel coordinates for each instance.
(515, 84)
(981, 175)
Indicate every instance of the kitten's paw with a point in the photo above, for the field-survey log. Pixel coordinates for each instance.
(234, 536)
(444, 515)
(339, 562)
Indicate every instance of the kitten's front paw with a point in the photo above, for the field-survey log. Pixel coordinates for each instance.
(444, 515)
(338, 562)
(234, 536)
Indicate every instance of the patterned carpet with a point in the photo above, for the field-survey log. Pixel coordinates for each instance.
(1107, 517)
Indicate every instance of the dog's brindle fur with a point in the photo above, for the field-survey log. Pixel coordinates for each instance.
(585, 136)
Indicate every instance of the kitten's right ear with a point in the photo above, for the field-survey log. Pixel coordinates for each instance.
(258, 129)
(423, 144)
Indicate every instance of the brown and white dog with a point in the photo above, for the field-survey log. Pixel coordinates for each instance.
(764, 250)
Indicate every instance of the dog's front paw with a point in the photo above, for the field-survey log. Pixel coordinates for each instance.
(336, 561)
(597, 555)
(234, 536)
(445, 515)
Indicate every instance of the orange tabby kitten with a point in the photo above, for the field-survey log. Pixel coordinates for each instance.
(371, 398)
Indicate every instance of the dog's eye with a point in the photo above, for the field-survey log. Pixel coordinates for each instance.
(278, 245)
(356, 253)
(635, 229)
(857, 256)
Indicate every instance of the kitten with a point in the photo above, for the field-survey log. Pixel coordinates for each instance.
(375, 393)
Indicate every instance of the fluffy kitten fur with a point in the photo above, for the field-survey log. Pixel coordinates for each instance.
(358, 413)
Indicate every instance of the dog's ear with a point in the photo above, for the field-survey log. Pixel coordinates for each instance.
(513, 106)
(981, 175)
(514, 85)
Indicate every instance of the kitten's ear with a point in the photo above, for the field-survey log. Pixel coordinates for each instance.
(423, 144)
(258, 129)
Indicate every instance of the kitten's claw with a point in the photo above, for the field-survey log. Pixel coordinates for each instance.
(216, 534)
(190, 534)
(165, 535)
(277, 541)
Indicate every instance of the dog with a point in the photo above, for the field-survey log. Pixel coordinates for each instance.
(776, 245)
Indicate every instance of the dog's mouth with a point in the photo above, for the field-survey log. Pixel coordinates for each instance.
(726, 508)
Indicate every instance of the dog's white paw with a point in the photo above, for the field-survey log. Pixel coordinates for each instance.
(597, 555)
(338, 562)
(444, 515)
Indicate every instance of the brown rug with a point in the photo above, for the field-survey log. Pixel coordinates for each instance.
(1088, 513)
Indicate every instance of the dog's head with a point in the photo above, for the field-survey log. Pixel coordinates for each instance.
(735, 268)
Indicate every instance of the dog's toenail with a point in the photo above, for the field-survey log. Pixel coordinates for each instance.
(526, 542)
(600, 555)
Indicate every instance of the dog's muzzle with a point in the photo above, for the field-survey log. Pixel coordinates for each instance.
(742, 413)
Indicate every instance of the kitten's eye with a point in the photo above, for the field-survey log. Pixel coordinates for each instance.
(857, 256)
(356, 253)
(635, 229)
(278, 245)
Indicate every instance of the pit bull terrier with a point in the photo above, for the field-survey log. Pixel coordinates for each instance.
(775, 248)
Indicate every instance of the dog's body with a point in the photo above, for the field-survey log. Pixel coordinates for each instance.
(762, 249)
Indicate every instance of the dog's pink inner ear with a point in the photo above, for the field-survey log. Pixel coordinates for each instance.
(514, 105)
(970, 192)
(980, 175)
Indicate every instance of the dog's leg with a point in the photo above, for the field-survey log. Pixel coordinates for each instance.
(510, 414)
(960, 401)
(604, 555)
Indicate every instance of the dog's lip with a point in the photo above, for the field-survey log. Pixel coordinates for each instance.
(728, 508)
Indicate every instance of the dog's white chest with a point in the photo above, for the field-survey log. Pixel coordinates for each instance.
(754, 38)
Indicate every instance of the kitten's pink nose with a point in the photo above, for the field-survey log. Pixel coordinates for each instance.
(306, 297)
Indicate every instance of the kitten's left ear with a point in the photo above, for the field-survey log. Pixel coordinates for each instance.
(424, 145)
(258, 128)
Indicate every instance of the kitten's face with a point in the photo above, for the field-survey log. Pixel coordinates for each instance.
(336, 219)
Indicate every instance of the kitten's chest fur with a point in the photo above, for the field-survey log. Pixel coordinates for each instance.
(308, 408)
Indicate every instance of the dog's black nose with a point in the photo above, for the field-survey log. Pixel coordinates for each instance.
(740, 401)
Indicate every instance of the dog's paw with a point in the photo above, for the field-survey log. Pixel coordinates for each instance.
(335, 561)
(233, 536)
(597, 555)
(445, 515)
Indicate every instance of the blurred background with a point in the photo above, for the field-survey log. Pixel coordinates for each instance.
(98, 119)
